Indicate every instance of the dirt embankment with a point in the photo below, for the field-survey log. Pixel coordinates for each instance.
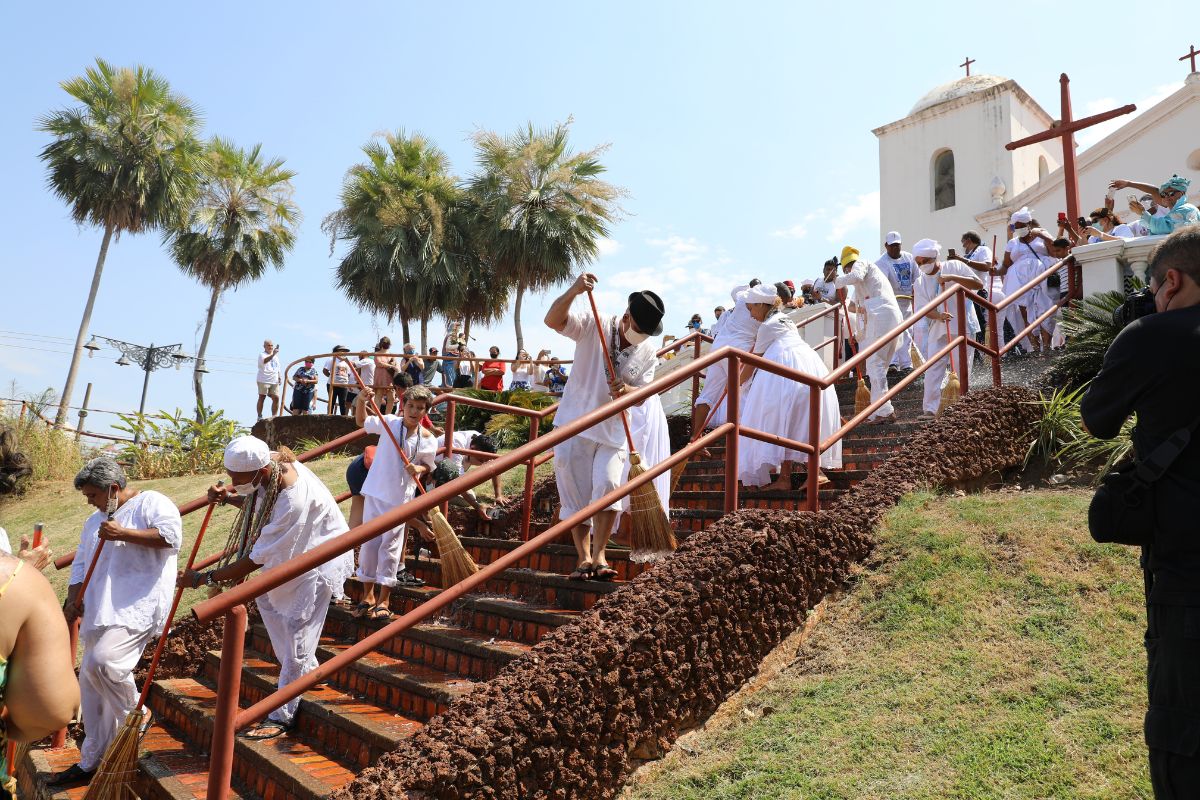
(577, 714)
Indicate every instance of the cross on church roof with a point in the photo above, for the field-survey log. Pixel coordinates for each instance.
(969, 61)
(1192, 55)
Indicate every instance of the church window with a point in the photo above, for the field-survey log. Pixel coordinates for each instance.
(1043, 167)
(943, 180)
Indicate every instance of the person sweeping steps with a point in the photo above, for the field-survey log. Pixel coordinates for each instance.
(737, 330)
(934, 277)
(285, 511)
(589, 465)
(873, 295)
(774, 404)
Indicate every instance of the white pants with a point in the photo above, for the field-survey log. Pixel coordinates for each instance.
(880, 321)
(585, 471)
(381, 557)
(294, 640)
(935, 376)
(903, 355)
(106, 687)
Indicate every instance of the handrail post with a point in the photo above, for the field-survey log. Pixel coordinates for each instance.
(837, 335)
(21, 417)
(220, 764)
(1070, 282)
(696, 377)
(731, 440)
(530, 466)
(994, 343)
(60, 735)
(964, 352)
(814, 438)
(449, 428)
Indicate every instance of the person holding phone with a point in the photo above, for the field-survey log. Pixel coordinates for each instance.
(269, 377)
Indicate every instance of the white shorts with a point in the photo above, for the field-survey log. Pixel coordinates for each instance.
(268, 389)
(585, 471)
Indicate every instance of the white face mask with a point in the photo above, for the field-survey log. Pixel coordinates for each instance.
(632, 336)
(111, 506)
(246, 489)
(928, 268)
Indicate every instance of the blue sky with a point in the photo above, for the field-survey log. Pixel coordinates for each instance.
(741, 131)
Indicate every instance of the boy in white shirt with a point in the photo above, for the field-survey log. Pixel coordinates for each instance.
(934, 276)
(391, 483)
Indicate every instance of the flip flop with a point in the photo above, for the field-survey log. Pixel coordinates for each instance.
(582, 573)
(72, 774)
(360, 610)
(267, 729)
(379, 612)
(603, 573)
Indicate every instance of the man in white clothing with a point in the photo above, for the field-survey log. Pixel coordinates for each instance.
(589, 465)
(286, 511)
(873, 295)
(269, 377)
(978, 257)
(126, 602)
(737, 330)
(900, 268)
(935, 276)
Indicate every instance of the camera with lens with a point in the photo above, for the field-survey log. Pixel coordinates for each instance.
(1137, 305)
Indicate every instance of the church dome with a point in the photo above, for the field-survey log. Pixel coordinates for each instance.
(969, 84)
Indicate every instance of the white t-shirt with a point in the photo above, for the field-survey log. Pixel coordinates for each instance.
(826, 290)
(366, 368)
(339, 372)
(462, 439)
(305, 515)
(983, 255)
(388, 479)
(1028, 260)
(268, 368)
(927, 288)
(900, 272)
(738, 328)
(871, 287)
(523, 375)
(588, 388)
(132, 584)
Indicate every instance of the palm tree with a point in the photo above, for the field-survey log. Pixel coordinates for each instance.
(393, 213)
(127, 159)
(542, 207)
(243, 222)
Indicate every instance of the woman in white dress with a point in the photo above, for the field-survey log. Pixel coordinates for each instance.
(774, 404)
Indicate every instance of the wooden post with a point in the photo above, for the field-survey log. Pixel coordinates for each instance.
(83, 411)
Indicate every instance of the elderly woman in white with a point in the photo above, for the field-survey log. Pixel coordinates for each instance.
(286, 511)
(779, 405)
(126, 602)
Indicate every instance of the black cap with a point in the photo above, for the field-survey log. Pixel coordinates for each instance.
(341, 348)
(646, 310)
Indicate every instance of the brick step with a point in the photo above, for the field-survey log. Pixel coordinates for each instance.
(547, 589)
(412, 688)
(492, 616)
(555, 557)
(747, 498)
(841, 479)
(285, 768)
(350, 729)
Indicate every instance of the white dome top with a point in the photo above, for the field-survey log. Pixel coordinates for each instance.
(968, 84)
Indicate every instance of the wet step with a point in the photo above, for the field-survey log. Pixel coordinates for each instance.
(347, 727)
(547, 589)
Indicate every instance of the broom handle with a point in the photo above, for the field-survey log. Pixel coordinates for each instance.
(37, 535)
(387, 428)
(712, 413)
(162, 638)
(951, 353)
(608, 361)
(849, 325)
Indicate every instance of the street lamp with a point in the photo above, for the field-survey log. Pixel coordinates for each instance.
(149, 359)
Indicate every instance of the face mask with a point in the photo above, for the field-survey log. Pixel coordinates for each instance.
(246, 489)
(111, 506)
(929, 267)
(632, 336)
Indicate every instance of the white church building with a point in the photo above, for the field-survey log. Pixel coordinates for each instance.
(943, 169)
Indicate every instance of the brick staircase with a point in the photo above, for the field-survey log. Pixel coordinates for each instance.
(368, 708)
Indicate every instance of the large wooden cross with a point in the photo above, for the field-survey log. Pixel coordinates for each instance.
(1192, 55)
(967, 62)
(1065, 129)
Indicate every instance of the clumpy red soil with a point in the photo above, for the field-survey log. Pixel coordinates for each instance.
(508, 526)
(187, 642)
(665, 651)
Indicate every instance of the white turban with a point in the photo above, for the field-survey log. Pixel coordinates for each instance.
(1024, 215)
(246, 454)
(927, 248)
(763, 293)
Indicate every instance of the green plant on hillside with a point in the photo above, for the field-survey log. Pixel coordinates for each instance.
(1089, 328)
(1061, 439)
(242, 222)
(127, 159)
(511, 428)
(175, 444)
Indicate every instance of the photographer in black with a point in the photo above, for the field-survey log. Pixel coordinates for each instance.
(1152, 370)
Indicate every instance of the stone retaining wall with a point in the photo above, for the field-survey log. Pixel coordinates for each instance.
(573, 717)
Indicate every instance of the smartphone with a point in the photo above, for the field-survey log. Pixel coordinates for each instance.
(952, 253)
(1062, 217)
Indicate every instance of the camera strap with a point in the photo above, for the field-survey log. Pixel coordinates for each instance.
(1158, 462)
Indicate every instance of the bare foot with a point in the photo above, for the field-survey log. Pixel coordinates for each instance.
(779, 485)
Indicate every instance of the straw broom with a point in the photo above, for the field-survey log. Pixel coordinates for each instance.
(456, 563)
(651, 535)
(115, 776)
(952, 390)
(862, 395)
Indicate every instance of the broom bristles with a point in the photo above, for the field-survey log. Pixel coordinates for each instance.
(651, 536)
(115, 776)
(677, 474)
(915, 354)
(457, 564)
(862, 397)
(950, 393)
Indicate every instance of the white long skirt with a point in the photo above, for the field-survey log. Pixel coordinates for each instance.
(648, 424)
(778, 405)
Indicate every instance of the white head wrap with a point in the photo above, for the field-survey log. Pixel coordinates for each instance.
(1024, 215)
(763, 293)
(927, 248)
(246, 454)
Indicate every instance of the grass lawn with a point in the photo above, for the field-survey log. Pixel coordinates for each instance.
(63, 510)
(992, 650)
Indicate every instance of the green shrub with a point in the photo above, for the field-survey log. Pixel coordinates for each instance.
(509, 430)
(1089, 329)
(1061, 440)
(175, 444)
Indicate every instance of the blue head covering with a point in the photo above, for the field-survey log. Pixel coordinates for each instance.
(1177, 183)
